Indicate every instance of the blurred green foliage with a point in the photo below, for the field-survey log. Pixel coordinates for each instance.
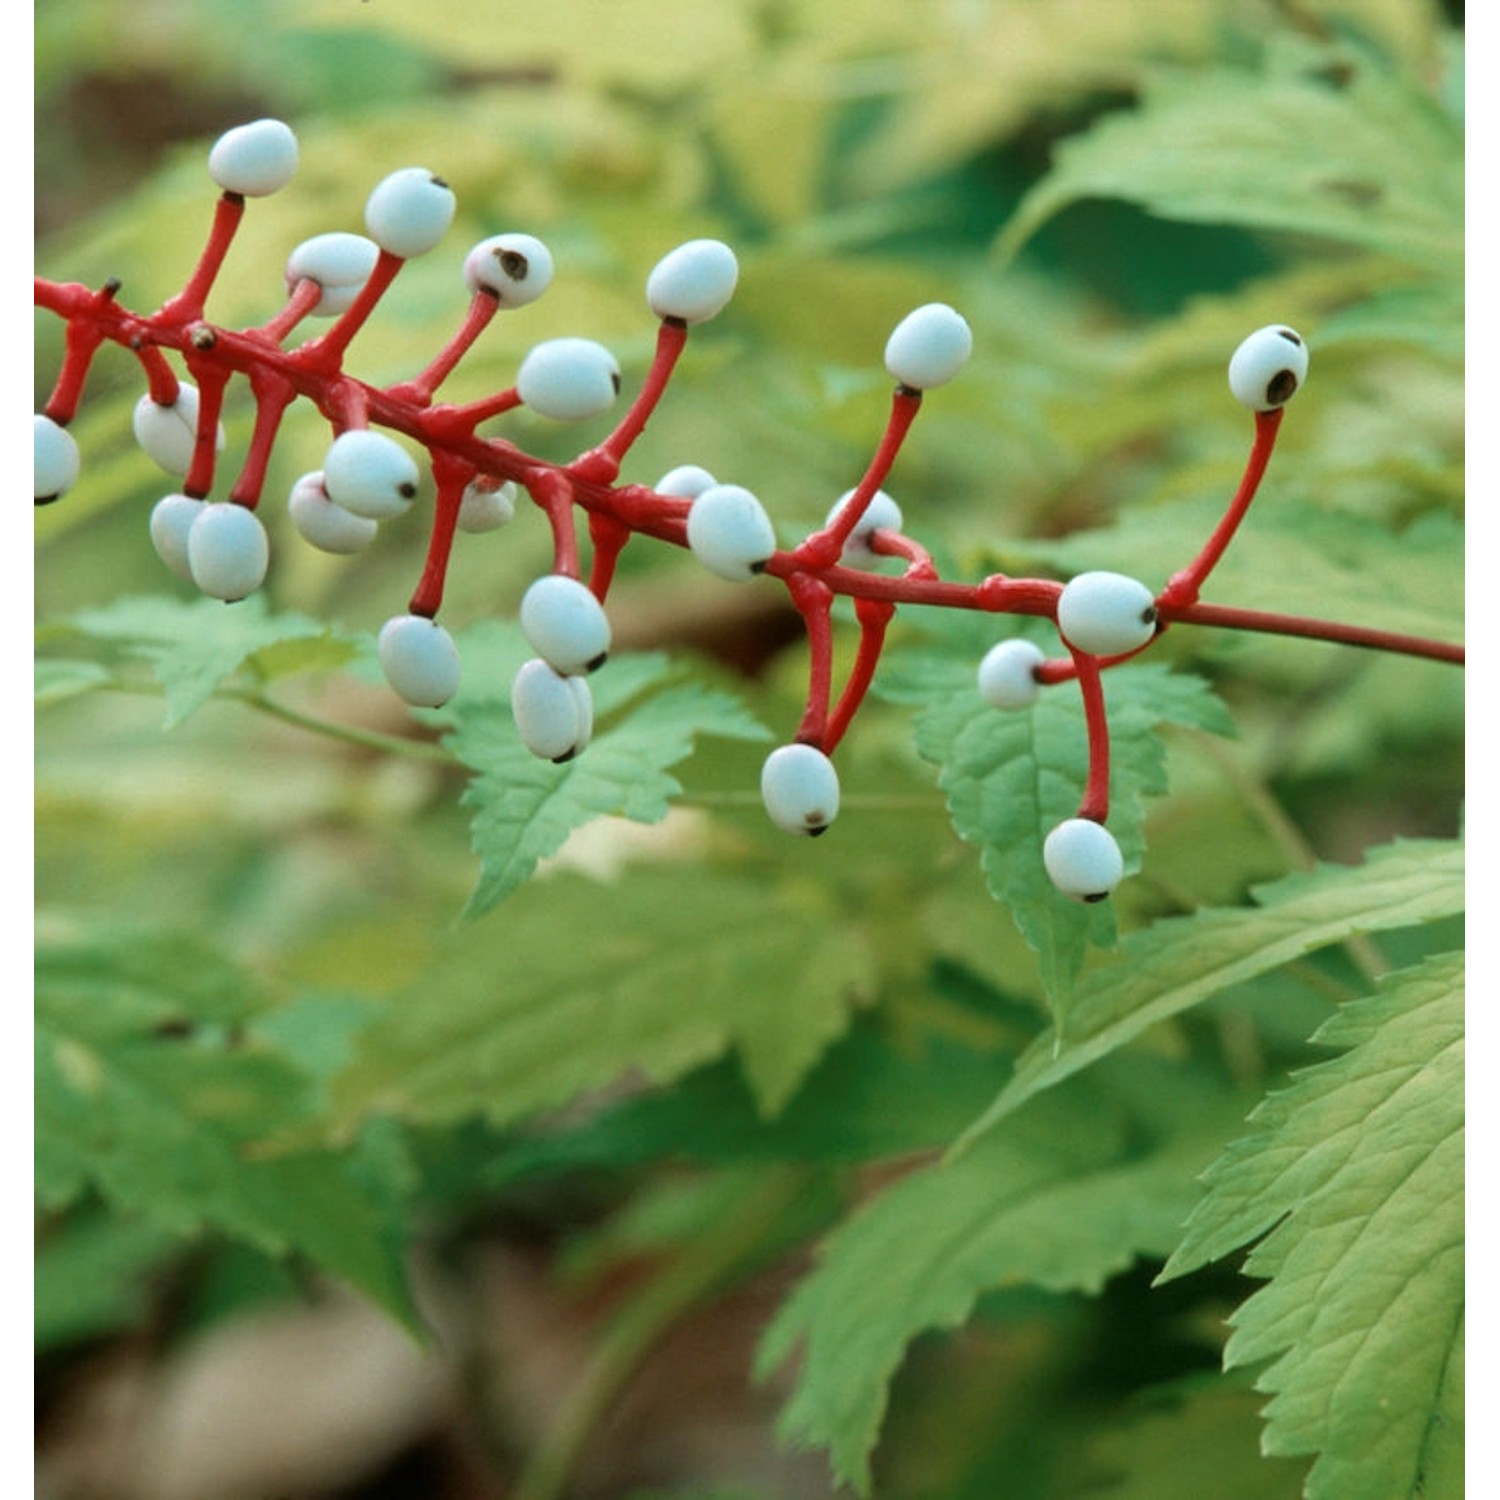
(678, 1038)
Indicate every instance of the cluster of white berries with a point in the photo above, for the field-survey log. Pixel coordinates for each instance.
(368, 477)
(1109, 615)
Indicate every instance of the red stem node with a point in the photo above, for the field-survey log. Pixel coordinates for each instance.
(608, 534)
(552, 489)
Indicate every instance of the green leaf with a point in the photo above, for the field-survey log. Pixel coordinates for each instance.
(525, 808)
(1230, 146)
(1044, 1202)
(1010, 778)
(1183, 961)
(57, 679)
(1355, 1179)
(195, 647)
(149, 1090)
(573, 983)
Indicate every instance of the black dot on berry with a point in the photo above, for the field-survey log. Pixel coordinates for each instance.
(1290, 336)
(595, 663)
(407, 490)
(1281, 387)
(614, 380)
(818, 831)
(1096, 896)
(513, 263)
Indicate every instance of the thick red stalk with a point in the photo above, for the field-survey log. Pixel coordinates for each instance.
(814, 601)
(874, 615)
(481, 313)
(1095, 803)
(187, 305)
(273, 394)
(601, 465)
(451, 477)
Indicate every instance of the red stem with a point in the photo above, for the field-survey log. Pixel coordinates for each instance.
(273, 394)
(814, 601)
(608, 535)
(602, 464)
(1095, 803)
(304, 298)
(874, 615)
(419, 391)
(1183, 587)
(187, 305)
(824, 548)
(451, 477)
(211, 380)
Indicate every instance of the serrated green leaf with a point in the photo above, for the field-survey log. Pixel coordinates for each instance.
(148, 1090)
(1387, 174)
(525, 808)
(1182, 961)
(1011, 777)
(1356, 1171)
(573, 983)
(194, 647)
(1042, 1202)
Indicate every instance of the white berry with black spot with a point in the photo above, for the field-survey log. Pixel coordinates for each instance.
(1106, 614)
(340, 264)
(928, 347)
(169, 433)
(370, 474)
(325, 523)
(565, 624)
(419, 659)
(513, 268)
(54, 459)
(172, 519)
(569, 379)
(800, 789)
(881, 514)
(1268, 368)
(487, 505)
(730, 533)
(1007, 674)
(409, 212)
(553, 719)
(1083, 860)
(693, 282)
(255, 159)
(227, 550)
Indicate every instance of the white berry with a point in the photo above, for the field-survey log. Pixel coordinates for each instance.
(565, 624)
(687, 481)
(928, 347)
(1007, 674)
(409, 212)
(370, 474)
(254, 159)
(1082, 859)
(569, 379)
(172, 518)
(514, 268)
(340, 264)
(730, 533)
(487, 504)
(1268, 368)
(169, 433)
(552, 717)
(227, 550)
(419, 660)
(54, 459)
(693, 282)
(881, 514)
(800, 788)
(325, 523)
(1106, 614)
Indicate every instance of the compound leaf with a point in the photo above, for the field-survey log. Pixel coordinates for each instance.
(1041, 1202)
(194, 647)
(1355, 1179)
(149, 1089)
(1181, 961)
(1387, 175)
